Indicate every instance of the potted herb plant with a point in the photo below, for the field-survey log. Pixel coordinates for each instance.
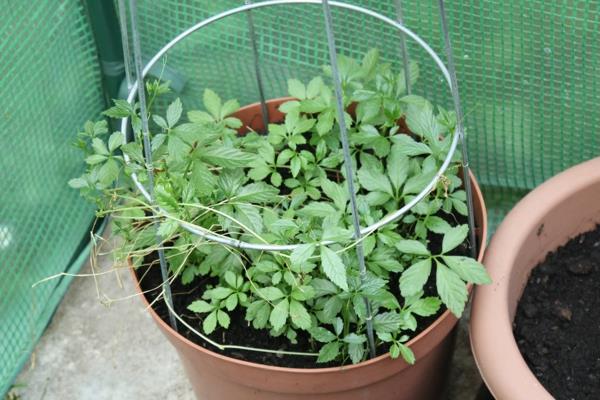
(534, 332)
(273, 325)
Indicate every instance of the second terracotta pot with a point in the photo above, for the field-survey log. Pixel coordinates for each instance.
(547, 218)
(217, 377)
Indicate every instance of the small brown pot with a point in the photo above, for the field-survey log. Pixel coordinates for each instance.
(216, 377)
(558, 210)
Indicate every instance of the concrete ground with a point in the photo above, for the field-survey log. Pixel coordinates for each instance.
(100, 352)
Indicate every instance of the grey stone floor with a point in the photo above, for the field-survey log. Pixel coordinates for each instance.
(100, 352)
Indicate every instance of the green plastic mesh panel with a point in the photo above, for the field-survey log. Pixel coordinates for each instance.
(49, 86)
(526, 71)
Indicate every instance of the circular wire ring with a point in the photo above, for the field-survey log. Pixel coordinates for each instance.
(197, 230)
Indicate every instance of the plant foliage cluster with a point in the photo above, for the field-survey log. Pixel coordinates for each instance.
(288, 186)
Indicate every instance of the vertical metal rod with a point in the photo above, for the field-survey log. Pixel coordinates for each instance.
(348, 165)
(137, 59)
(403, 48)
(125, 42)
(459, 128)
(259, 81)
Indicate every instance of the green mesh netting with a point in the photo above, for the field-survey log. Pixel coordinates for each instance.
(49, 85)
(526, 69)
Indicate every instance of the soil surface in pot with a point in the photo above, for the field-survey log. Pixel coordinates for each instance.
(241, 333)
(557, 325)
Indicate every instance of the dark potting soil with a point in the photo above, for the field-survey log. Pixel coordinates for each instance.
(557, 325)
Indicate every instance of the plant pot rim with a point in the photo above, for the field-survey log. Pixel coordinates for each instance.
(310, 371)
(491, 331)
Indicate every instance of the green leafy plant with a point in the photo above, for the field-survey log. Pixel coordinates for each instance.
(288, 186)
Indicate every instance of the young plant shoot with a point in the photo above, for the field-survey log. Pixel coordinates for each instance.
(288, 187)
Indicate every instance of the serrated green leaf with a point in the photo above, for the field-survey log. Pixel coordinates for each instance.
(167, 228)
(332, 308)
(228, 108)
(460, 207)
(115, 141)
(412, 247)
(407, 146)
(270, 293)
(451, 288)
(178, 149)
(394, 351)
(334, 268)
(109, 172)
(356, 351)
(99, 146)
(284, 156)
(454, 237)
(336, 192)
(415, 277)
(223, 319)
(279, 314)
(231, 302)
(296, 89)
(258, 192)
(121, 109)
(368, 110)
(369, 62)
(174, 112)
(329, 352)
(78, 183)
(335, 233)
(325, 122)
(160, 121)
(295, 166)
(302, 253)
(321, 334)
(397, 167)
(374, 181)
(209, 324)
(228, 157)
(289, 106)
(421, 120)
(260, 172)
(323, 287)
(192, 133)
(417, 183)
(354, 338)
(212, 103)
(134, 151)
(276, 179)
(230, 278)
(437, 225)
(219, 293)
(317, 209)
(95, 159)
(202, 179)
(314, 87)
(387, 322)
(302, 126)
(426, 306)
(200, 306)
(407, 353)
(299, 315)
(468, 269)
(303, 293)
(249, 215)
(200, 117)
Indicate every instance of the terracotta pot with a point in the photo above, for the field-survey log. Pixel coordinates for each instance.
(558, 210)
(216, 377)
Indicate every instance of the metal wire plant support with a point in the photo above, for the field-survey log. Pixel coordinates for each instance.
(136, 91)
